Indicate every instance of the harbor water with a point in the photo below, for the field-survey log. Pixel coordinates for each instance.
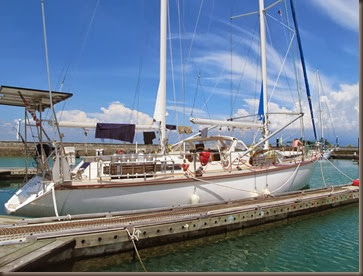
(326, 241)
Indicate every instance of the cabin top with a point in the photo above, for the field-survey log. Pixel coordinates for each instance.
(35, 99)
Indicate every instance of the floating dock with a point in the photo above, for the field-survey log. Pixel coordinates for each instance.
(16, 173)
(28, 244)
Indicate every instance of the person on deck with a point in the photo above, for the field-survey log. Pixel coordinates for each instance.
(296, 143)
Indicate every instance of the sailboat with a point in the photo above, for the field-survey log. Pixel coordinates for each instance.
(199, 169)
(326, 152)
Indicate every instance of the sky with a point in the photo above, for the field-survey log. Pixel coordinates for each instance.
(106, 52)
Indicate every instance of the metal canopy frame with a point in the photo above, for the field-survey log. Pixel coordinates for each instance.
(38, 99)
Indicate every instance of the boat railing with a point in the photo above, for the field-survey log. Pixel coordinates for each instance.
(133, 166)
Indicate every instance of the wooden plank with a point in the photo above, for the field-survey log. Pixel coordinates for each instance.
(36, 253)
(9, 249)
(9, 220)
(20, 252)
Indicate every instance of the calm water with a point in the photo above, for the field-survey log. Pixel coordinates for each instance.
(322, 242)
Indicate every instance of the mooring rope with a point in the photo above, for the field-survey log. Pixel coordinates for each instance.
(54, 202)
(135, 236)
(295, 172)
(322, 174)
(338, 169)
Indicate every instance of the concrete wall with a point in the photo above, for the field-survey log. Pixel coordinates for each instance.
(346, 153)
(13, 148)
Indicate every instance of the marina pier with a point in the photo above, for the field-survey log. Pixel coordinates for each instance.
(29, 244)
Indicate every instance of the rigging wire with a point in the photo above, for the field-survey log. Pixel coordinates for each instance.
(298, 89)
(210, 17)
(65, 69)
(329, 114)
(172, 70)
(203, 95)
(195, 95)
(89, 28)
(184, 65)
(82, 45)
(137, 94)
(282, 63)
(244, 66)
(195, 30)
(181, 61)
(231, 61)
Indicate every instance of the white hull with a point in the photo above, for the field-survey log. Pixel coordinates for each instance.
(108, 199)
(327, 154)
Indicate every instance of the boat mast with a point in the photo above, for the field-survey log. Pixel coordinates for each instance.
(160, 106)
(50, 93)
(263, 70)
(303, 66)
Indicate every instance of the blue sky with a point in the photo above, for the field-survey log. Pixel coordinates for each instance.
(107, 52)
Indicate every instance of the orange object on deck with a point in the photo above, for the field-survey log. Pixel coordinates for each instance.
(204, 157)
(356, 182)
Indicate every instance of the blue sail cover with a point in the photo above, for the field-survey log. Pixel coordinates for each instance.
(261, 115)
(122, 132)
(303, 67)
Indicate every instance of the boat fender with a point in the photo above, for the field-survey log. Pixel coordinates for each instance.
(356, 182)
(184, 166)
(204, 157)
(199, 172)
(194, 199)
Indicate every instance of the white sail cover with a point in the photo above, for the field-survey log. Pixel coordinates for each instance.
(236, 124)
(94, 124)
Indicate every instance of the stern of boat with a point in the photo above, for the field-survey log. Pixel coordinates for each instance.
(32, 190)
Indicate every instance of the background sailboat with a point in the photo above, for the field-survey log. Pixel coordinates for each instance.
(326, 148)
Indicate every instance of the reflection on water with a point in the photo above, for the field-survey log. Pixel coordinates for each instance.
(324, 241)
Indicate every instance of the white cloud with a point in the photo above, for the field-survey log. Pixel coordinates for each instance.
(343, 12)
(116, 112)
(344, 106)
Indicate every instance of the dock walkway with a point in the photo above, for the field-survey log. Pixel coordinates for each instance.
(19, 173)
(39, 241)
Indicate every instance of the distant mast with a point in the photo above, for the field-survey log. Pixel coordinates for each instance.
(160, 105)
(265, 131)
(320, 110)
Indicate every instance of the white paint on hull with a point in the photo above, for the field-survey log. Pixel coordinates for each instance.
(94, 200)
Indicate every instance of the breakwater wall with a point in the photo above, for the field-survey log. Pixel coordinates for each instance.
(14, 148)
(346, 153)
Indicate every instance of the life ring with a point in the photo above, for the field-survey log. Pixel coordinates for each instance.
(120, 151)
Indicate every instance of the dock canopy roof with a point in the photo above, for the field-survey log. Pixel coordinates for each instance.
(37, 99)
